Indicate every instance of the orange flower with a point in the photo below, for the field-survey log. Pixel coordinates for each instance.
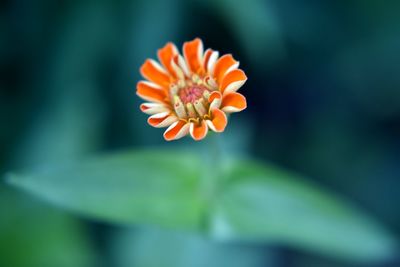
(193, 93)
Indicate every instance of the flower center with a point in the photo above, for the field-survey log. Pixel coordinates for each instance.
(191, 93)
(190, 99)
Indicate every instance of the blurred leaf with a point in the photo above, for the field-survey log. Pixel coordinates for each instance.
(155, 188)
(180, 249)
(253, 202)
(32, 235)
(266, 203)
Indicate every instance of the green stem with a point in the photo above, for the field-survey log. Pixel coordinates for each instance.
(212, 179)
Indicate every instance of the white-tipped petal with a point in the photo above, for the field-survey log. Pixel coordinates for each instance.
(233, 87)
(178, 71)
(158, 66)
(184, 131)
(182, 64)
(177, 130)
(150, 92)
(200, 53)
(233, 67)
(211, 62)
(211, 125)
(231, 109)
(162, 119)
(233, 102)
(218, 120)
(215, 100)
(151, 84)
(160, 115)
(153, 108)
(216, 103)
(168, 121)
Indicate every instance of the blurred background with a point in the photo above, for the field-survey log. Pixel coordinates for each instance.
(323, 100)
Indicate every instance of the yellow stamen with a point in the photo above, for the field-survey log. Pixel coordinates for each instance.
(179, 108)
(201, 110)
(190, 110)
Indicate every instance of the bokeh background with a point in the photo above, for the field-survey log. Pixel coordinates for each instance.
(323, 100)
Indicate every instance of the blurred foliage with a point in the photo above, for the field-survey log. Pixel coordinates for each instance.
(156, 188)
(179, 249)
(241, 200)
(323, 94)
(32, 235)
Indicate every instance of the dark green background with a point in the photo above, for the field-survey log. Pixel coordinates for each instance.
(323, 100)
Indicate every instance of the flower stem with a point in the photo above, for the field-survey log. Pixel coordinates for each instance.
(212, 180)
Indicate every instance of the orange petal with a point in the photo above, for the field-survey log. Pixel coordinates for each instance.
(207, 55)
(179, 65)
(177, 130)
(198, 131)
(161, 120)
(166, 54)
(193, 53)
(150, 92)
(211, 62)
(232, 81)
(214, 95)
(153, 72)
(218, 121)
(233, 102)
(215, 99)
(224, 64)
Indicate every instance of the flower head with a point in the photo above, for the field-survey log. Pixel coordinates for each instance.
(193, 93)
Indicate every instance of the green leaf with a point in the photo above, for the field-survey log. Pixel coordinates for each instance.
(34, 235)
(149, 188)
(182, 249)
(250, 201)
(264, 203)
